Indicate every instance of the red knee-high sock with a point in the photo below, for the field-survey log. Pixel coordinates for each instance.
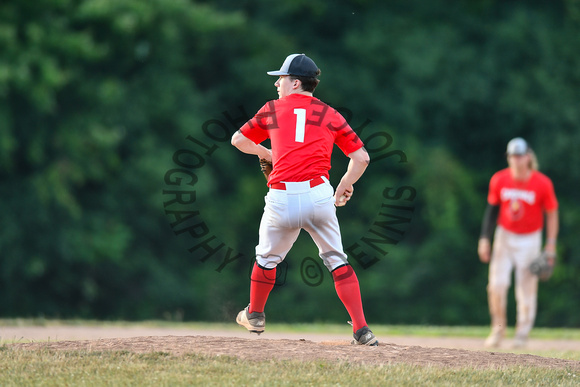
(348, 290)
(260, 287)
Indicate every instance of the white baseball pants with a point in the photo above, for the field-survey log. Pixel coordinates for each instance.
(513, 251)
(300, 207)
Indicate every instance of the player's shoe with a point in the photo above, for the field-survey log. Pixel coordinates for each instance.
(520, 341)
(365, 336)
(494, 339)
(254, 322)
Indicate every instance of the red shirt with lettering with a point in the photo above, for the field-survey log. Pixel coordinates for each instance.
(522, 203)
(302, 131)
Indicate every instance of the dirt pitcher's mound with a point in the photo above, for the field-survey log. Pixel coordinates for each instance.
(305, 350)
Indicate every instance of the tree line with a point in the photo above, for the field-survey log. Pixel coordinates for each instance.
(123, 199)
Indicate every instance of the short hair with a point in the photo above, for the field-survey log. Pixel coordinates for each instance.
(308, 83)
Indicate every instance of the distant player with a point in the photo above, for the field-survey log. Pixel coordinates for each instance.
(302, 131)
(518, 198)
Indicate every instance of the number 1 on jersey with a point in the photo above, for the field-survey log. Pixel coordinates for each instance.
(300, 124)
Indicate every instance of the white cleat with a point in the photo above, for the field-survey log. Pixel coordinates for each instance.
(254, 322)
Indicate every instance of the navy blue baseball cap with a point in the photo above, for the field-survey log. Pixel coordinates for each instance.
(297, 64)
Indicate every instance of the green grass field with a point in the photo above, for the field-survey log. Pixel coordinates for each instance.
(122, 368)
(160, 369)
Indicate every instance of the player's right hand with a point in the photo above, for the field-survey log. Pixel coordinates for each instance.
(342, 195)
(484, 250)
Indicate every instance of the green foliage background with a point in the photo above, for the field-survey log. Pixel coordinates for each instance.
(107, 108)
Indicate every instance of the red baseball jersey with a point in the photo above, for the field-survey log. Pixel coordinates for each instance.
(522, 203)
(302, 131)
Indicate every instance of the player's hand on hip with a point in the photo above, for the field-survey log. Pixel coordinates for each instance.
(484, 250)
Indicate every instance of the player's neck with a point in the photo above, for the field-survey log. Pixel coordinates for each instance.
(521, 175)
(302, 92)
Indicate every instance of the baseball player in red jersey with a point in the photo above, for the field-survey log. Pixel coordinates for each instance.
(302, 131)
(518, 198)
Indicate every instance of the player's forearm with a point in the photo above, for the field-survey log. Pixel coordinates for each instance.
(246, 145)
(489, 222)
(552, 227)
(253, 149)
(359, 161)
(354, 171)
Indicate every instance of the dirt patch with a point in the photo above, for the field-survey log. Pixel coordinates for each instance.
(265, 349)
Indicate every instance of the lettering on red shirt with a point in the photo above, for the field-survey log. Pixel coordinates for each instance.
(522, 203)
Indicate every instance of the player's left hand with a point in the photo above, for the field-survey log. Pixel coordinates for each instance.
(266, 167)
(265, 154)
(543, 265)
(550, 249)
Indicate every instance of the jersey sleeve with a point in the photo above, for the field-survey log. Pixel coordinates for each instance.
(256, 129)
(550, 201)
(493, 194)
(344, 137)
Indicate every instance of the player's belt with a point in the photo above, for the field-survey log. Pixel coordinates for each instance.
(313, 183)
